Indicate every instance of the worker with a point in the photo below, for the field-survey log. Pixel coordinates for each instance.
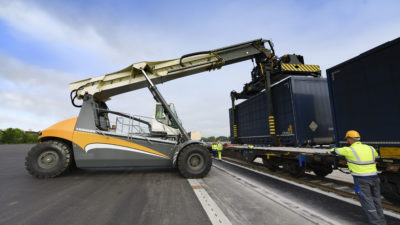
(219, 149)
(214, 149)
(361, 162)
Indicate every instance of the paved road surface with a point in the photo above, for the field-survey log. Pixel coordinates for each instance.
(106, 196)
(158, 196)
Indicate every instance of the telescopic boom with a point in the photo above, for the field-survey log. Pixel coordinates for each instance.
(132, 78)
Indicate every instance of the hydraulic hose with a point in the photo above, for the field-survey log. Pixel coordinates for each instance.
(75, 91)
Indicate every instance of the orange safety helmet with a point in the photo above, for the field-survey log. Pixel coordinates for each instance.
(352, 134)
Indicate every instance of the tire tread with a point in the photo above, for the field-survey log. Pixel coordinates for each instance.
(181, 162)
(65, 151)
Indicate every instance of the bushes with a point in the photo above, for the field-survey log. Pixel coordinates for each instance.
(17, 136)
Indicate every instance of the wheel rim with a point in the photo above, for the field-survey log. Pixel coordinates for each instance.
(48, 159)
(195, 161)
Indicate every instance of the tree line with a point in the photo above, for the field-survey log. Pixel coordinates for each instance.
(17, 136)
(215, 139)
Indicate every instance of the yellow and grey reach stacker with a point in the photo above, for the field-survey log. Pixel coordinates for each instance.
(90, 141)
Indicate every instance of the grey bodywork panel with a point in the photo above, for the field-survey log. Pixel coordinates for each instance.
(86, 116)
(109, 155)
(106, 157)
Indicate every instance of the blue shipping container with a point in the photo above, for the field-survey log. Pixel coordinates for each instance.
(365, 96)
(301, 110)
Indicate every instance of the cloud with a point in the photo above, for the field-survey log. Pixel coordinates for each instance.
(39, 24)
(33, 93)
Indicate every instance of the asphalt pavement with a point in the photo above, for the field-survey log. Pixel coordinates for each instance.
(160, 196)
(94, 196)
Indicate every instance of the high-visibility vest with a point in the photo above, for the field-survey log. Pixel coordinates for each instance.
(360, 158)
(220, 147)
(214, 147)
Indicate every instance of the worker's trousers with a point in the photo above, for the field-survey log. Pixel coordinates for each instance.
(219, 154)
(368, 190)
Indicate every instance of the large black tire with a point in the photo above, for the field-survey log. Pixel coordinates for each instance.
(48, 159)
(322, 171)
(194, 161)
(390, 184)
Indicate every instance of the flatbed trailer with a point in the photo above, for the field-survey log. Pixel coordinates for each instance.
(297, 161)
(294, 160)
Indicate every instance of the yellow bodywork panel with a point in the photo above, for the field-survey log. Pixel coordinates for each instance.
(390, 152)
(82, 139)
(63, 129)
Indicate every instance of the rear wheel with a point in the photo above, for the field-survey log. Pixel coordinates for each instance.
(48, 159)
(194, 161)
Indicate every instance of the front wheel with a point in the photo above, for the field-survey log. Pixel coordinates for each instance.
(48, 159)
(194, 161)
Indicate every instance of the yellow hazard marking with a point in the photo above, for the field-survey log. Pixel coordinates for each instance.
(390, 152)
(270, 154)
(300, 67)
(306, 154)
(262, 71)
(83, 138)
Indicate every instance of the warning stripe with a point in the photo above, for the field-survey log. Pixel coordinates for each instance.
(300, 67)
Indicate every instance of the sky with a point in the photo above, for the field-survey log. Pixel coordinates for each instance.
(45, 45)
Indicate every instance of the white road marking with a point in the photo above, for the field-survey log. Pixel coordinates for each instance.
(217, 217)
(330, 194)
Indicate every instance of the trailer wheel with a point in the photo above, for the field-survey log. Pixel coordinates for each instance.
(295, 170)
(270, 164)
(390, 184)
(322, 171)
(194, 161)
(48, 159)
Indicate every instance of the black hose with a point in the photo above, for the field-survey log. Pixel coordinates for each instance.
(75, 91)
(192, 54)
